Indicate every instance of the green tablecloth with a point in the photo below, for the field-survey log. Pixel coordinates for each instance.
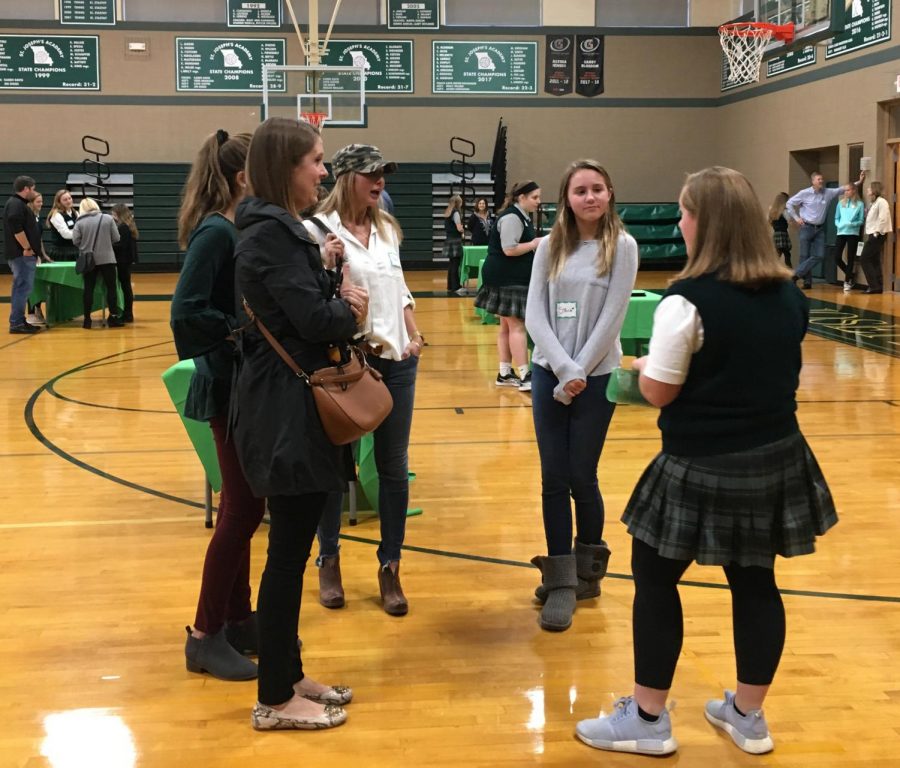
(472, 256)
(62, 288)
(177, 380)
(638, 321)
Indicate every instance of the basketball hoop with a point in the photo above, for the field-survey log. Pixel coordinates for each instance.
(315, 119)
(744, 43)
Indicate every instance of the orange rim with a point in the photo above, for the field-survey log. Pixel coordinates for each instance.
(783, 32)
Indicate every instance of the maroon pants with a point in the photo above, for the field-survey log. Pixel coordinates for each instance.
(225, 589)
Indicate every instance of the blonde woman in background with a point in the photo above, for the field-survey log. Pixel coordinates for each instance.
(97, 231)
(61, 223)
(878, 227)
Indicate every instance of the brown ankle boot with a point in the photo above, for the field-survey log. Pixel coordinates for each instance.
(391, 592)
(331, 590)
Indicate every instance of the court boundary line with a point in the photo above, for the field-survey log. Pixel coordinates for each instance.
(38, 434)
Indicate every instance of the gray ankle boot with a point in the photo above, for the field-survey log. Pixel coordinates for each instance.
(591, 561)
(559, 580)
(213, 654)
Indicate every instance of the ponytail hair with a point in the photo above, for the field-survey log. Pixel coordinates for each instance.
(519, 188)
(212, 184)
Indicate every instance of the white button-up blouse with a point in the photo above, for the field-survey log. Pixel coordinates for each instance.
(377, 269)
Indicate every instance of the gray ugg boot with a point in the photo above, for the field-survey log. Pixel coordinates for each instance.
(591, 561)
(559, 579)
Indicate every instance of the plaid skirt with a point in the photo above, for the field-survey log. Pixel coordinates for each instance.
(452, 249)
(506, 301)
(742, 508)
(782, 241)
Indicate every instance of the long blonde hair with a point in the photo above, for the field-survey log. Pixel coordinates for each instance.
(453, 204)
(564, 236)
(212, 184)
(733, 239)
(57, 207)
(340, 200)
(776, 210)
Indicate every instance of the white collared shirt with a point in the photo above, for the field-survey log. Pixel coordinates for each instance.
(378, 270)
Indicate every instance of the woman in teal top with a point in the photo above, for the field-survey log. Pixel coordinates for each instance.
(848, 218)
(202, 320)
(504, 281)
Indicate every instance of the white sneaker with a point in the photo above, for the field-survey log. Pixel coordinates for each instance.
(39, 316)
(848, 287)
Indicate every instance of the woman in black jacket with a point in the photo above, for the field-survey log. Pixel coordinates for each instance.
(279, 438)
(126, 251)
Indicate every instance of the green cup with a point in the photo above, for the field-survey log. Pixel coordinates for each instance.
(623, 387)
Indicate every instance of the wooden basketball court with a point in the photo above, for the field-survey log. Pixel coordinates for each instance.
(103, 543)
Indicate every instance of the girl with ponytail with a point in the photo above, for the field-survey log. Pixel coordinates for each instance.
(202, 320)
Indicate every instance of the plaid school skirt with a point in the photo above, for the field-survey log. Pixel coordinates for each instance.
(782, 242)
(506, 301)
(452, 249)
(742, 508)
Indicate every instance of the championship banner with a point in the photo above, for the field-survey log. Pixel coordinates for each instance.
(589, 65)
(558, 65)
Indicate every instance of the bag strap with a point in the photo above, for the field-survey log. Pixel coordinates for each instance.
(282, 352)
(321, 225)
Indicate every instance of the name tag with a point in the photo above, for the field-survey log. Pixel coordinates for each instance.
(566, 309)
(394, 258)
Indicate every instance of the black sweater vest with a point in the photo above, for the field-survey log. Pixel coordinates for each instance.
(740, 389)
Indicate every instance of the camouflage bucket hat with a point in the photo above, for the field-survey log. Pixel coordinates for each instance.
(360, 158)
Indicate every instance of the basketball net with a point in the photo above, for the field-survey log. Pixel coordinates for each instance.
(744, 44)
(315, 119)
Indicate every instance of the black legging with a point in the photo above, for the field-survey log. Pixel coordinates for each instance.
(124, 271)
(658, 626)
(847, 267)
(108, 272)
(871, 262)
(292, 527)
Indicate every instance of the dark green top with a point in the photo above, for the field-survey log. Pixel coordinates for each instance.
(740, 391)
(202, 315)
(501, 270)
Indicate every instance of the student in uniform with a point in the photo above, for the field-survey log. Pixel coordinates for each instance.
(735, 484)
(505, 278)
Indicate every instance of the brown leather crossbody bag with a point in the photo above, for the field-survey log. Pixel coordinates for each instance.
(351, 398)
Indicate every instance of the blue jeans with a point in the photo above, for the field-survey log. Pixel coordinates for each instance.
(812, 250)
(23, 269)
(570, 440)
(391, 441)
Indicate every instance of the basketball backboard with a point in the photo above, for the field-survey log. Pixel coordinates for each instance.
(813, 20)
(336, 92)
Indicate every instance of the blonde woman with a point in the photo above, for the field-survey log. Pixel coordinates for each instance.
(370, 239)
(735, 484)
(452, 250)
(97, 232)
(61, 223)
(878, 227)
(848, 218)
(580, 288)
